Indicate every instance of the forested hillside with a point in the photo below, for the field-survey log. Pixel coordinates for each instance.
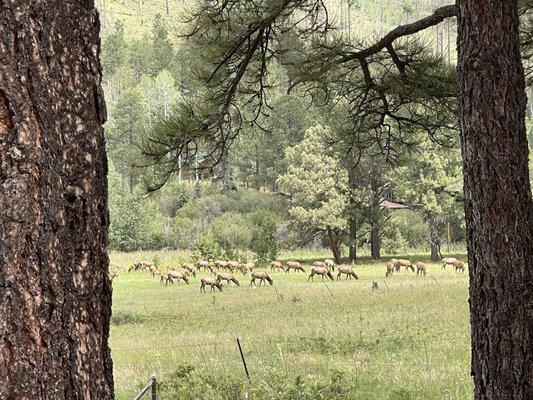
(286, 181)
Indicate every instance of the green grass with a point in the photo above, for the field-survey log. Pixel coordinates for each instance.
(339, 340)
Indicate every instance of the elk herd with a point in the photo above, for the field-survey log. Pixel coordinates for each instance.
(224, 271)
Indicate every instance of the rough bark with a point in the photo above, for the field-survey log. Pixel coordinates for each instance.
(55, 298)
(375, 243)
(352, 221)
(434, 226)
(352, 248)
(498, 203)
(333, 246)
(376, 185)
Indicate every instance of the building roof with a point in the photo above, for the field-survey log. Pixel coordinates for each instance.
(393, 205)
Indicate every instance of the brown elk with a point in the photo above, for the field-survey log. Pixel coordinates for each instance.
(403, 263)
(459, 266)
(210, 281)
(421, 268)
(221, 264)
(276, 265)
(262, 276)
(190, 268)
(323, 271)
(228, 277)
(295, 265)
(177, 275)
(203, 264)
(346, 270)
(248, 267)
(139, 266)
(330, 264)
(448, 261)
(234, 265)
(390, 268)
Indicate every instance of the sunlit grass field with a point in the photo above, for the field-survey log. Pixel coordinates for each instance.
(301, 340)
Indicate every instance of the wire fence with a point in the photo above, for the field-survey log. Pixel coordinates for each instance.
(256, 359)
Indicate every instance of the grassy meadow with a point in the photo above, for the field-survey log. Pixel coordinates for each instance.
(301, 340)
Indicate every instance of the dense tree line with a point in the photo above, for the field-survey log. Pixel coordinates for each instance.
(146, 80)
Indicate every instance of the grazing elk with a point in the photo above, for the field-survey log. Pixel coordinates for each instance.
(276, 265)
(191, 269)
(295, 265)
(421, 268)
(248, 267)
(346, 270)
(262, 276)
(210, 281)
(448, 261)
(330, 264)
(321, 264)
(395, 264)
(322, 271)
(390, 269)
(459, 266)
(406, 264)
(234, 265)
(139, 266)
(203, 264)
(221, 264)
(177, 275)
(398, 263)
(228, 277)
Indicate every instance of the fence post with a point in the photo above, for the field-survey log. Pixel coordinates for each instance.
(243, 359)
(154, 387)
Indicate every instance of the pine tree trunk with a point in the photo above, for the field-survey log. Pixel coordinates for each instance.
(352, 221)
(498, 203)
(352, 256)
(434, 238)
(376, 187)
(375, 243)
(333, 246)
(55, 296)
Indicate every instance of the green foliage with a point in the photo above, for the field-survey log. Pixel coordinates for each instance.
(432, 183)
(232, 232)
(264, 242)
(207, 248)
(134, 220)
(315, 182)
(114, 50)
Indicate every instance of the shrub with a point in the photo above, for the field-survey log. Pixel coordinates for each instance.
(207, 248)
(263, 241)
(232, 232)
